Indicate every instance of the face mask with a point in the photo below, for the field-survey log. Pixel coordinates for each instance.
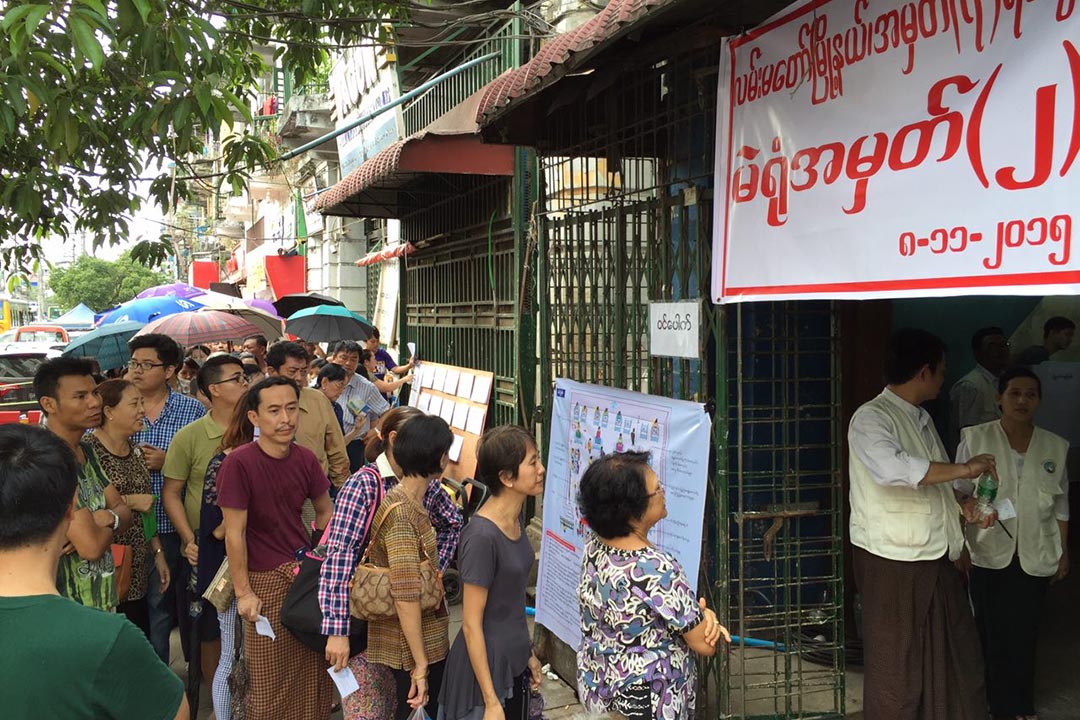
(185, 385)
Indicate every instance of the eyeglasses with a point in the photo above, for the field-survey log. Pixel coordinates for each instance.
(144, 366)
(659, 490)
(240, 379)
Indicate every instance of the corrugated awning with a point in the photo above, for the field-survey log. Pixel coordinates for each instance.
(557, 57)
(451, 145)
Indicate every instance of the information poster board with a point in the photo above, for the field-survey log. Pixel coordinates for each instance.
(460, 396)
(588, 421)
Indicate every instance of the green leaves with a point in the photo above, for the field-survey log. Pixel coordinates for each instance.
(97, 94)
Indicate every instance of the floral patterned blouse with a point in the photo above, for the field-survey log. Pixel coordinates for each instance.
(635, 607)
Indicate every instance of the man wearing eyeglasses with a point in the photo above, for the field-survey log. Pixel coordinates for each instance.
(154, 360)
(223, 380)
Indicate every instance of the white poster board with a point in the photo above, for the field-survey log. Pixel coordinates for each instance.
(891, 149)
(588, 421)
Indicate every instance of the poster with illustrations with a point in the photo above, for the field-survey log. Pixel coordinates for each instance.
(589, 421)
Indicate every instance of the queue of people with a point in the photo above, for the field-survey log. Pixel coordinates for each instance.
(213, 482)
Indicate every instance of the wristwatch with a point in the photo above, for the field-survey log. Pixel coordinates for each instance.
(115, 519)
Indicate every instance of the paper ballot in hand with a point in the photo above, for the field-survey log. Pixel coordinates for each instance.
(264, 628)
(345, 681)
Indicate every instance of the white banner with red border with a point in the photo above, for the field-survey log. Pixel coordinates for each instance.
(891, 149)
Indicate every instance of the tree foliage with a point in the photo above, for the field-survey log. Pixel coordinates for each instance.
(99, 95)
(102, 284)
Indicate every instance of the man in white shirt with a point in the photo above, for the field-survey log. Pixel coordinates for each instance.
(361, 402)
(921, 648)
(973, 399)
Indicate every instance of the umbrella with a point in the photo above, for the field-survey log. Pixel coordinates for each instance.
(327, 323)
(205, 326)
(288, 305)
(179, 290)
(268, 324)
(106, 344)
(259, 304)
(145, 310)
(219, 301)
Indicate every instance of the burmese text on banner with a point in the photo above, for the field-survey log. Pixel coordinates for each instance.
(890, 149)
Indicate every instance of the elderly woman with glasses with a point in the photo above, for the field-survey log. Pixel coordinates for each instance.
(640, 619)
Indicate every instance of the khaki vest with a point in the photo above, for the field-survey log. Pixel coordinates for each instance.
(901, 522)
(1034, 494)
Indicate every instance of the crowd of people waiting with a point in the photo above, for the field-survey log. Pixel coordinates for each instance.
(217, 473)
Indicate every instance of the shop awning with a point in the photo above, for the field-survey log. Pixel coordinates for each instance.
(451, 145)
(585, 60)
(562, 54)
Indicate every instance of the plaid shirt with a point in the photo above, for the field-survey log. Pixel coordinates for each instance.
(353, 507)
(361, 392)
(179, 410)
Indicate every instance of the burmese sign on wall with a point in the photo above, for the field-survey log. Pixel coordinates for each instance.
(887, 149)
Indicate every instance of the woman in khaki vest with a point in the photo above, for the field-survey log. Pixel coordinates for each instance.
(1011, 570)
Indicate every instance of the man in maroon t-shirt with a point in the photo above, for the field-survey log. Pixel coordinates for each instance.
(262, 487)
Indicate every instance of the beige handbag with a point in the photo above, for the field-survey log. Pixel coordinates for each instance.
(369, 591)
(220, 592)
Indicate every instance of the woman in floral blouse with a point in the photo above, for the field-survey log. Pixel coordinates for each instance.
(122, 416)
(640, 619)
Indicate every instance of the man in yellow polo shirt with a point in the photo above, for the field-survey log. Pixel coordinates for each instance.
(223, 380)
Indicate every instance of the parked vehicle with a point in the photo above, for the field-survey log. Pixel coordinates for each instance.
(48, 334)
(17, 368)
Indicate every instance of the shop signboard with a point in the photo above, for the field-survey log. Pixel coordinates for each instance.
(889, 149)
(362, 81)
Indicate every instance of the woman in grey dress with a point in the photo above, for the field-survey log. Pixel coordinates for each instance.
(491, 668)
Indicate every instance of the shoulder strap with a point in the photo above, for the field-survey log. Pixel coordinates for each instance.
(365, 533)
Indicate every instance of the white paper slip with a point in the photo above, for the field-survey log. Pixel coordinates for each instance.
(412, 349)
(1005, 509)
(440, 378)
(434, 405)
(345, 680)
(451, 382)
(464, 386)
(264, 628)
(423, 400)
(427, 376)
(461, 413)
(455, 448)
(414, 397)
(447, 412)
(475, 422)
(481, 389)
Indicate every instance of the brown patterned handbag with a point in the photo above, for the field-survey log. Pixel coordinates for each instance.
(369, 590)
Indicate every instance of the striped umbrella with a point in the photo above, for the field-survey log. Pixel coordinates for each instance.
(204, 326)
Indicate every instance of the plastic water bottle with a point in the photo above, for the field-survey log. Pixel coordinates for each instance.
(986, 493)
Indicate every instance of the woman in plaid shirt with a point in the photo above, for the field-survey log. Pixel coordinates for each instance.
(355, 504)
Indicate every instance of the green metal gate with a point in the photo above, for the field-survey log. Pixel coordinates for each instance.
(462, 289)
(625, 218)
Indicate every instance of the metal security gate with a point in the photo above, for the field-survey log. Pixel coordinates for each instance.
(625, 218)
(462, 289)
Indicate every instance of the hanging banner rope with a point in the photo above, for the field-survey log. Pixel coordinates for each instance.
(889, 149)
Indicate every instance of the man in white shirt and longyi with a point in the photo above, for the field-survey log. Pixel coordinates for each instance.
(921, 647)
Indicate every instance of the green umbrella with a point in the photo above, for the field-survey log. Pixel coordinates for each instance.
(328, 323)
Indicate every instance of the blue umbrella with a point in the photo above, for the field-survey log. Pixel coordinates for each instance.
(328, 323)
(106, 344)
(144, 310)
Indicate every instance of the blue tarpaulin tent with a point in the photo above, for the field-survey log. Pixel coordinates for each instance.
(78, 317)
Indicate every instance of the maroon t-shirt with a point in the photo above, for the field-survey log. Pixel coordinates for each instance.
(272, 491)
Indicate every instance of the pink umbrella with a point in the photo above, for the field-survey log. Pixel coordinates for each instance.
(205, 326)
